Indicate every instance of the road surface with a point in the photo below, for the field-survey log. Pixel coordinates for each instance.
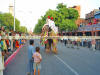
(68, 61)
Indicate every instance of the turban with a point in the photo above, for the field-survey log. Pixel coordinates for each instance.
(51, 18)
(48, 17)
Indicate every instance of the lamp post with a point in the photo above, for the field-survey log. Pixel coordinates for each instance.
(14, 15)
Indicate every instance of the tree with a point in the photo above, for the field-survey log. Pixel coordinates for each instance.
(60, 6)
(17, 25)
(73, 14)
(56, 15)
(23, 29)
(38, 27)
(7, 20)
(64, 18)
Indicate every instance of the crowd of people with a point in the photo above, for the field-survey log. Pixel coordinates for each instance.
(8, 46)
(93, 44)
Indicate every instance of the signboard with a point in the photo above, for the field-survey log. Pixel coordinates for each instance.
(90, 28)
(97, 29)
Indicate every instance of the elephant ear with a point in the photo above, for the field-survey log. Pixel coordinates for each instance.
(46, 28)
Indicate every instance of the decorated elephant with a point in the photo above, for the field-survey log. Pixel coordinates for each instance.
(49, 29)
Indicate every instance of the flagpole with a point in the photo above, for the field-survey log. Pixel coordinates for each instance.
(14, 15)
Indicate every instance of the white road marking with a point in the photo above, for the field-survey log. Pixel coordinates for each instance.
(67, 65)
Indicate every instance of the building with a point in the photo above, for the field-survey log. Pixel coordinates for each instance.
(83, 25)
(97, 15)
(11, 9)
(90, 16)
(94, 29)
(80, 21)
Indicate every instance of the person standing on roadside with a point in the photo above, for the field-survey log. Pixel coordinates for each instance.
(78, 43)
(1, 63)
(1, 59)
(31, 51)
(68, 43)
(65, 41)
(93, 42)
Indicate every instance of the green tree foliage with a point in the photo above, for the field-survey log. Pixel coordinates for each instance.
(7, 20)
(73, 14)
(23, 29)
(56, 15)
(64, 18)
(38, 27)
(60, 6)
(17, 25)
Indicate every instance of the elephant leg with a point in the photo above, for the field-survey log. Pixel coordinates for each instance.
(54, 49)
(50, 43)
(47, 48)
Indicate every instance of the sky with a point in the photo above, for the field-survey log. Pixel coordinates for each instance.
(29, 11)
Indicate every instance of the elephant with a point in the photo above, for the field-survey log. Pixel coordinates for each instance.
(50, 43)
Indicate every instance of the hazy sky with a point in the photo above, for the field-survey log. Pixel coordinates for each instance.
(29, 11)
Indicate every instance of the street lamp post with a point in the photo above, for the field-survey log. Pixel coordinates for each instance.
(14, 15)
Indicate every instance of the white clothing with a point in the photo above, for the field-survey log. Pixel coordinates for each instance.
(48, 21)
(52, 24)
(1, 62)
(93, 47)
(0, 37)
(53, 27)
(1, 72)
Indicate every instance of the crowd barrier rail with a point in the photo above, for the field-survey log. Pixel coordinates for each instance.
(49, 37)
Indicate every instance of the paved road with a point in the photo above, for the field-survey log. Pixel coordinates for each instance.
(67, 62)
